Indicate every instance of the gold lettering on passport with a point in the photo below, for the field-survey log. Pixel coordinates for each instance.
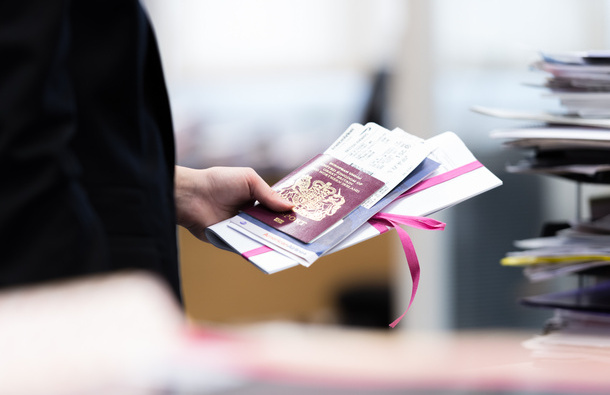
(315, 200)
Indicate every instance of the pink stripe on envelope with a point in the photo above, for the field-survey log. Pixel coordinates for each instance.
(430, 182)
(256, 251)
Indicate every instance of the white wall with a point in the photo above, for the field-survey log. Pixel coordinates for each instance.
(206, 39)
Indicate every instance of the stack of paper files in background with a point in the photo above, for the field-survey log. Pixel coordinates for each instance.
(580, 154)
(574, 145)
(580, 81)
(573, 336)
(583, 248)
(366, 171)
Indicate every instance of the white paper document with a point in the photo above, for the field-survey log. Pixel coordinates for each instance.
(541, 117)
(387, 155)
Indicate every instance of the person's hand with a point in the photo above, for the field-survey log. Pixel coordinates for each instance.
(208, 196)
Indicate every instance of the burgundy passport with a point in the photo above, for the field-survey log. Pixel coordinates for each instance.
(323, 191)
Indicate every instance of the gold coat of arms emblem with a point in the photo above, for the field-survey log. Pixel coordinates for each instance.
(314, 200)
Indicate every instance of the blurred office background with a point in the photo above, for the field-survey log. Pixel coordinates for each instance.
(270, 83)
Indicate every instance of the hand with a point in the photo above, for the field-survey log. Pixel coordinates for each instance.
(208, 196)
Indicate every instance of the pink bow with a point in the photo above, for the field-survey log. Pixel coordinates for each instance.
(382, 220)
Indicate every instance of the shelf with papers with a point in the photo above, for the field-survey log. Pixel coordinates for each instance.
(575, 146)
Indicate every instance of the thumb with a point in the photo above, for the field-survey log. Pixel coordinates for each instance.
(270, 198)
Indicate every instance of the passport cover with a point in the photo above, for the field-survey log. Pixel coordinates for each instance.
(324, 190)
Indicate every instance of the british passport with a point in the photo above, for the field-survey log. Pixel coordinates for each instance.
(324, 190)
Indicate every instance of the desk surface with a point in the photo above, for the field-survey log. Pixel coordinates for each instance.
(393, 361)
(126, 335)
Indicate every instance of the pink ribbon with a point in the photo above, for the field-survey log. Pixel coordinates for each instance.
(394, 220)
(383, 221)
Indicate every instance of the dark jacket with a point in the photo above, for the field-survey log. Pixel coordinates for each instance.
(86, 143)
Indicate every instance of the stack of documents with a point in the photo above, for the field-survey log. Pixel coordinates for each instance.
(583, 247)
(574, 145)
(369, 171)
(367, 182)
(573, 336)
(580, 328)
(576, 153)
(580, 81)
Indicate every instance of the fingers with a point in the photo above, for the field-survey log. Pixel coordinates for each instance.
(277, 202)
(262, 192)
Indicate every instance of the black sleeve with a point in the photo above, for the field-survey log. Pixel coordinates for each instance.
(47, 227)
